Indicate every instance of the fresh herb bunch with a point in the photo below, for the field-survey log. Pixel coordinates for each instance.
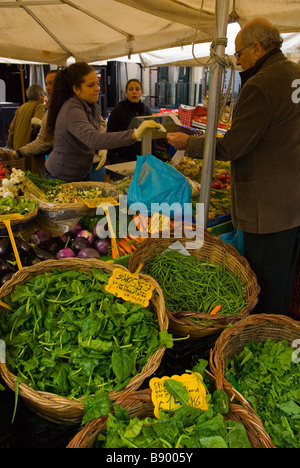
(68, 336)
(267, 377)
(192, 284)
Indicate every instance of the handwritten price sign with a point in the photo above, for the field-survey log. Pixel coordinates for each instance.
(130, 287)
(162, 400)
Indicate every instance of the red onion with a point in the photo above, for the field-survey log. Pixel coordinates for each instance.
(75, 229)
(102, 245)
(66, 253)
(42, 239)
(87, 234)
(88, 252)
(80, 243)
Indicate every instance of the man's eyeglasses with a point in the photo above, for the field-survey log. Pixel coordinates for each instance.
(238, 53)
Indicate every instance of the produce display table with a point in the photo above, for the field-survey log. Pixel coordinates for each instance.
(30, 430)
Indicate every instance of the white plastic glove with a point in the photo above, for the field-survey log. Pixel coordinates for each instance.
(145, 127)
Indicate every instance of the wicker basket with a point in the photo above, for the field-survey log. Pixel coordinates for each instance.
(60, 409)
(257, 328)
(216, 251)
(139, 404)
(74, 210)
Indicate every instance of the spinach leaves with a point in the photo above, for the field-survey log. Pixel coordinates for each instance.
(68, 336)
(186, 427)
(268, 378)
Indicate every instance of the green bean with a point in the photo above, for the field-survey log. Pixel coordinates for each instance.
(191, 284)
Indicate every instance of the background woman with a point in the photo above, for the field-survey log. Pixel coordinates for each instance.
(120, 119)
(78, 129)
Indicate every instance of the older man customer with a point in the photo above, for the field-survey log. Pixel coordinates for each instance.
(263, 146)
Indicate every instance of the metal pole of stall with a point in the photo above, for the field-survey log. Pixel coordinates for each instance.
(222, 14)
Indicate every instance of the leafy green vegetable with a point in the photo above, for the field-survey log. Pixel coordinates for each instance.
(96, 406)
(220, 401)
(68, 336)
(269, 379)
(22, 206)
(187, 427)
(177, 390)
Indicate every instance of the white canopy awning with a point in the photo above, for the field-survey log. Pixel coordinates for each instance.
(50, 31)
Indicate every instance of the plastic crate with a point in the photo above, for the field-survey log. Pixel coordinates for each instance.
(17, 163)
(186, 114)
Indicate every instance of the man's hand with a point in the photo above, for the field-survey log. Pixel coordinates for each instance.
(178, 140)
(145, 127)
(7, 155)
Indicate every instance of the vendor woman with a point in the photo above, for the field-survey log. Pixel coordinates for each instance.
(75, 122)
(120, 118)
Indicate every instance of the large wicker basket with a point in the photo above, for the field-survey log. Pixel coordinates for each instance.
(60, 409)
(139, 404)
(216, 251)
(73, 210)
(256, 328)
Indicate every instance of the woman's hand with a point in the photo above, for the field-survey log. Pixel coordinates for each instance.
(145, 127)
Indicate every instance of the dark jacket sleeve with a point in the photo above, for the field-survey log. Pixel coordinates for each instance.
(248, 127)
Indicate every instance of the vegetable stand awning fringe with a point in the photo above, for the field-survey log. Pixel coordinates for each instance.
(51, 31)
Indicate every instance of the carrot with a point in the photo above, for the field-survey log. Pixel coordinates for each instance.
(137, 223)
(123, 244)
(121, 251)
(113, 253)
(137, 240)
(215, 309)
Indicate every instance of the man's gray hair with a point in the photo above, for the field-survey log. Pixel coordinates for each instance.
(34, 92)
(266, 34)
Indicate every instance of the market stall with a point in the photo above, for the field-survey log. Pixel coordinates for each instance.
(101, 299)
(63, 240)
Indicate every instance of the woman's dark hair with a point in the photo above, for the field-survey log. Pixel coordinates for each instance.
(63, 89)
(133, 80)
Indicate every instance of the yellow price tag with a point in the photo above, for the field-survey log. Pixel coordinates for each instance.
(95, 202)
(130, 287)
(34, 189)
(162, 400)
(12, 217)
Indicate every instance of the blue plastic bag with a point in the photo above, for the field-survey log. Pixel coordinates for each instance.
(236, 239)
(155, 181)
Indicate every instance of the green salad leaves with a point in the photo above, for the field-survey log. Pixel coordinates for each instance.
(68, 336)
(186, 427)
(267, 377)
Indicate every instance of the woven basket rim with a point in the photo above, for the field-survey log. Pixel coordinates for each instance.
(139, 403)
(52, 206)
(181, 321)
(47, 404)
(258, 324)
